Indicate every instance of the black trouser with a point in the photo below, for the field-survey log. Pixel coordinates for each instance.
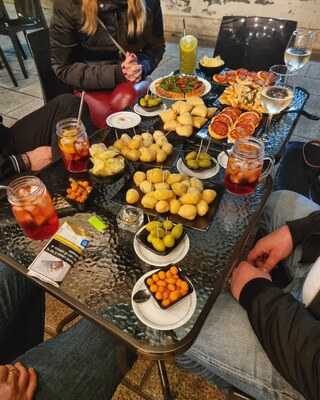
(39, 128)
(295, 175)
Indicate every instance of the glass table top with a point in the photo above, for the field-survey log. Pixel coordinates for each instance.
(100, 285)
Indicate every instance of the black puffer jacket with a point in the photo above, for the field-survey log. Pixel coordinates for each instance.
(93, 62)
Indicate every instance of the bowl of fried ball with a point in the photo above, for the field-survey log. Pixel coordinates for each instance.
(161, 237)
(168, 286)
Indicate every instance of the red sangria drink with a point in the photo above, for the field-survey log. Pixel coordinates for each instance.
(32, 207)
(245, 163)
(74, 145)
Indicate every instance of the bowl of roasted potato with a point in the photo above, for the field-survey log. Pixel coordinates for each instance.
(186, 116)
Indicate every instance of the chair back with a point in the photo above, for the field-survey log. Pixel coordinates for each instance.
(30, 11)
(50, 84)
(255, 43)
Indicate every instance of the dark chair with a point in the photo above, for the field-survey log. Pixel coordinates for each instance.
(7, 67)
(50, 84)
(29, 17)
(255, 43)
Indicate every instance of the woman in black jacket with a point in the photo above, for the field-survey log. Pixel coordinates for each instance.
(82, 52)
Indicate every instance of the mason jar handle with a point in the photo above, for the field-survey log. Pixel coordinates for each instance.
(269, 168)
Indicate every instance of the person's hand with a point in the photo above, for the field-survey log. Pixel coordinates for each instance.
(131, 70)
(271, 249)
(40, 157)
(243, 274)
(17, 382)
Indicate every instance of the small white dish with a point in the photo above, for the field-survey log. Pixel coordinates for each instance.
(147, 256)
(152, 315)
(183, 169)
(123, 120)
(223, 159)
(144, 113)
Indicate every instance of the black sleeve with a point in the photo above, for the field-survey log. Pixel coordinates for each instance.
(306, 231)
(288, 332)
(11, 165)
(63, 46)
(154, 49)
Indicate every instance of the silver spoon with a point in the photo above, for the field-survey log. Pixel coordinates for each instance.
(141, 296)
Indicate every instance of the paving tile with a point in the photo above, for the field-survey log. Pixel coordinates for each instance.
(310, 84)
(314, 70)
(8, 121)
(26, 108)
(11, 100)
(33, 89)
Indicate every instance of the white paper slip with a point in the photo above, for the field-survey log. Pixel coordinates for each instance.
(61, 252)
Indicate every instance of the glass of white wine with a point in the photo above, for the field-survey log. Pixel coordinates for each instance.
(299, 49)
(277, 97)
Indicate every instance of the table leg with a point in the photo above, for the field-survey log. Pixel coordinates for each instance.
(165, 386)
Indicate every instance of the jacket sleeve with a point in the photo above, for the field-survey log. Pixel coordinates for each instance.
(306, 232)
(154, 49)
(63, 46)
(288, 332)
(11, 165)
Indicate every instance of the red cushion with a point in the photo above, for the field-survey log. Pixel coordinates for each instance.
(101, 104)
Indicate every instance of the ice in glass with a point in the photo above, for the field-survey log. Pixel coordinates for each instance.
(74, 145)
(32, 207)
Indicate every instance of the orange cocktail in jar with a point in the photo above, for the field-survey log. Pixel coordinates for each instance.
(74, 145)
(32, 207)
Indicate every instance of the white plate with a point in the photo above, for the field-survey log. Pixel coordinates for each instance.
(147, 256)
(183, 169)
(155, 317)
(139, 110)
(223, 159)
(123, 120)
(152, 88)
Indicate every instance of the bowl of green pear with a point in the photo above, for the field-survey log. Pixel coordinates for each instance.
(199, 161)
(161, 237)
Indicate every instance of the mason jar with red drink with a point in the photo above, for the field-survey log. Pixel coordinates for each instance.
(245, 164)
(74, 144)
(32, 207)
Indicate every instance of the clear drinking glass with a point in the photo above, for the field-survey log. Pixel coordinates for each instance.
(279, 95)
(245, 163)
(74, 144)
(299, 49)
(32, 207)
(188, 46)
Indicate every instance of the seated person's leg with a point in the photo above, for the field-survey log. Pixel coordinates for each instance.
(228, 348)
(39, 128)
(80, 364)
(21, 314)
(284, 206)
(293, 172)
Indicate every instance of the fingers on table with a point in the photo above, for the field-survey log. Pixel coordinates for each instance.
(13, 376)
(23, 376)
(32, 386)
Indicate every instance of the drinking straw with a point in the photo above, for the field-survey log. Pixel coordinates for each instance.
(208, 145)
(199, 151)
(80, 108)
(184, 26)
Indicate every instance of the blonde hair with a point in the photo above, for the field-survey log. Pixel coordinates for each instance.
(136, 16)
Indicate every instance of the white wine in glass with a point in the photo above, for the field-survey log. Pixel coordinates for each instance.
(276, 98)
(299, 49)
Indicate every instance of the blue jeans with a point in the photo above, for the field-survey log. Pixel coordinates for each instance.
(80, 364)
(227, 347)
